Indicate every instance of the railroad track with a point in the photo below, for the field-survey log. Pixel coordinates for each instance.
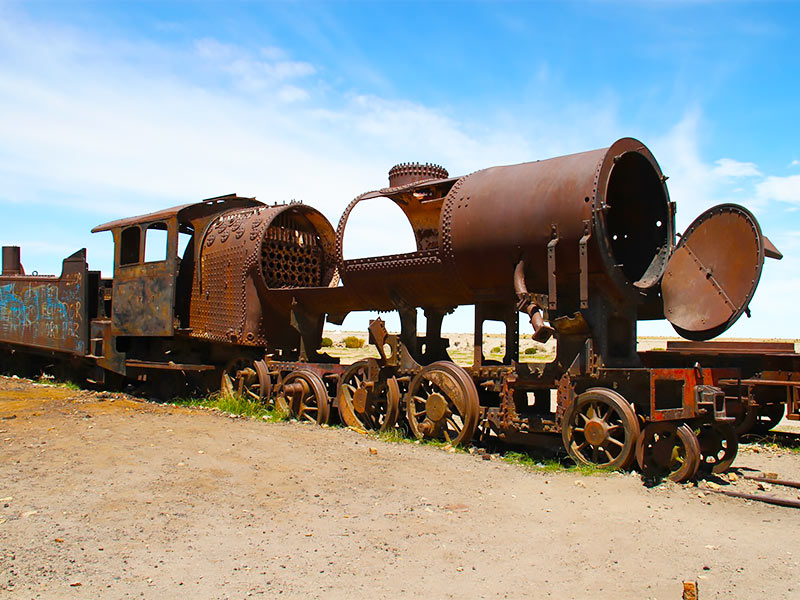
(765, 498)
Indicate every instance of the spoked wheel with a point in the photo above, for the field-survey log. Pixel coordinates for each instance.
(767, 417)
(367, 401)
(442, 403)
(668, 450)
(304, 396)
(248, 379)
(745, 416)
(718, 447)
(601, 429)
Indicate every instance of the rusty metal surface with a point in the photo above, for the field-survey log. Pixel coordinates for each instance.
(577, 243)
(500, 215)
(11, 261)
(787, 502)
(47, 312)
(773, 480)
(713, 273)
(727, 347)
(242, 256)
(184, 211)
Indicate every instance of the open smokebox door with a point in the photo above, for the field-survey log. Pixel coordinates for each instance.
(714, 271)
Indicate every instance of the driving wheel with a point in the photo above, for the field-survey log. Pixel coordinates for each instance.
(600, 429)
(718, 447)
(303, 394)
(442, 403)
(366, 399)
(670, 450)
(247, 379)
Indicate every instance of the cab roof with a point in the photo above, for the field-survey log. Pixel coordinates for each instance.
(184, 212)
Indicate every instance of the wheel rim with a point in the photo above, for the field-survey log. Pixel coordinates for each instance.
(668, 450)
(718, 447)
(304, 394)
(745, 417)
(365, 403)
(601, 429)
(247, 379)
(768, 416)
(442, 403)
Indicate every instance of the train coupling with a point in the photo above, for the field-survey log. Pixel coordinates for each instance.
(710, 400)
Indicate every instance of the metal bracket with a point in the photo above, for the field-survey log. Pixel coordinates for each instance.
(552, 301)
(584, 263)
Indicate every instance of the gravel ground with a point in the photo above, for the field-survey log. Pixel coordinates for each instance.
(104, 496)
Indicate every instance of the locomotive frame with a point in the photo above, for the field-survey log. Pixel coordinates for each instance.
(592, 235)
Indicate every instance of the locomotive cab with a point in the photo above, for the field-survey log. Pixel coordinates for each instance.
(147, 266)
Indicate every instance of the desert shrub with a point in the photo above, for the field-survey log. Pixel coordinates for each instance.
(327, 342)
(531, 350)
(497, 350)
(352, 341)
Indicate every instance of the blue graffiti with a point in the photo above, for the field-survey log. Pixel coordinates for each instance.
(35, 311)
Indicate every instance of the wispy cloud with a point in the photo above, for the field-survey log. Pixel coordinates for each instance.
(268, 72)
(729, 168)
(780, 189)
(102, 128)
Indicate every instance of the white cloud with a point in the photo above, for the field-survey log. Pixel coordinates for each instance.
(126, 127)
(794, 163)
(252, 74)
(781, 189)
(692, 183)
(729, 168)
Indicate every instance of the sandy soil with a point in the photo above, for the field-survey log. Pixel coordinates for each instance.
(460, 348)
(103, 496)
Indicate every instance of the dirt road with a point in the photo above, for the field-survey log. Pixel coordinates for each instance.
(105, 497)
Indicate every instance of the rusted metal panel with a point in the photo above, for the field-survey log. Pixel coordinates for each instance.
(502, 214)
(245, 254)
(713, 273)
(103, 347)
(183, 212)
(726, 346)
(11, 261)
(144, 297)
(47, 312)
(672, 391)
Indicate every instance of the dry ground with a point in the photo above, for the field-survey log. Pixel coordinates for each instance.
(105, 496)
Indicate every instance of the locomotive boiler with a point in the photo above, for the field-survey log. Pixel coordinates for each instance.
(582, 245)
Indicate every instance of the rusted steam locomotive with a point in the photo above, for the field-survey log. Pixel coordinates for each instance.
(582, 245)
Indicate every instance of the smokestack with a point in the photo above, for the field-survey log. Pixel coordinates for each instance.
(11, 262)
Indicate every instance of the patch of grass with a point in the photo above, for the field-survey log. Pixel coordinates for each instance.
(550, 465)
(774, 441)
(397, 436)
(394, 436)
(50, 380)
(236, 405)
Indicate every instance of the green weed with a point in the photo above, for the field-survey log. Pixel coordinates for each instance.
(45, 379)
(397, 436)
(236, 405)
(549, 465)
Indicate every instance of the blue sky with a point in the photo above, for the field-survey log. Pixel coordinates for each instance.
(113, 109)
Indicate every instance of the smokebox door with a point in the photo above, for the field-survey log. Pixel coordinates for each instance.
(713, 272)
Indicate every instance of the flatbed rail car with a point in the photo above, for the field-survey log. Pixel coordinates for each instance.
(582, 245)
(768, 385)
